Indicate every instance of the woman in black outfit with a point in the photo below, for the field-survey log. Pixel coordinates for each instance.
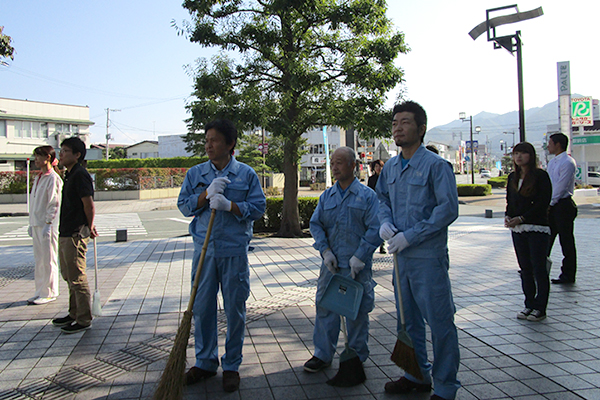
(376, 167)
(528, 195)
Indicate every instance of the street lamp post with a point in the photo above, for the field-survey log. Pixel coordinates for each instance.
(512, 43)
(463, 117)
(513, 135)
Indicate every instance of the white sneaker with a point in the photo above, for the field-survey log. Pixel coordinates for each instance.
(43, 300)
(32, 299)
(524, 314)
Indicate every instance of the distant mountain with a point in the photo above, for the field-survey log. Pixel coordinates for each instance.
(493, 127)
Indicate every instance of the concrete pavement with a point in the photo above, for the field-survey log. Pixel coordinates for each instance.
(144, 286)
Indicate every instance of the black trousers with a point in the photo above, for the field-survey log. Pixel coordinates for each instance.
(530, 248)
(561, 218)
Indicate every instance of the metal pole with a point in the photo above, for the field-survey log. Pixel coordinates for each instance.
(107, 135)
(263, 154)
(520, 84)
(472, 151)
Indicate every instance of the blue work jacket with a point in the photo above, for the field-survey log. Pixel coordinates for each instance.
(420, 200)
(349, 226)
(230, 234)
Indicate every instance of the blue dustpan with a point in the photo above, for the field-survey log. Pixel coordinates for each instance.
(342, 296)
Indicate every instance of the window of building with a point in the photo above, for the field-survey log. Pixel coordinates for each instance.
(2, 128)
(67, 128)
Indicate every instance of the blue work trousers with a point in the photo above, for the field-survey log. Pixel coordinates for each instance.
(427, 297)
(231, 274)
(327, 323)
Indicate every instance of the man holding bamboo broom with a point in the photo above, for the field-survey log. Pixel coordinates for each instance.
(233, 190)
(418, 201)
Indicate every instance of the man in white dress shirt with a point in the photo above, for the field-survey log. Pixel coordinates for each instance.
(562, 208)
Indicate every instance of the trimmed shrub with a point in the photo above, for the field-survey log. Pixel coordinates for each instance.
(498, 181)
(474, 190)
(175, 162)
(15, 182)
(271, 220)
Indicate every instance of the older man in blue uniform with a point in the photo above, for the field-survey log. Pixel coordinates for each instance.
(233, 189)
(418, 201)
(345, 227)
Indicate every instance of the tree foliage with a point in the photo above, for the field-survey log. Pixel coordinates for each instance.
(291, 65)
(6, 50)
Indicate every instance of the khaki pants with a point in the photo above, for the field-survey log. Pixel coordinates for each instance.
(72, 268)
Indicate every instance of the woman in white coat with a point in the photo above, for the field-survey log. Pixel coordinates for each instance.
(44, 208)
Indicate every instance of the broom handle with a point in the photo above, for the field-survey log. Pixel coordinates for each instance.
(201, 261)
(398, 291)
(343, 320)
(95, 266)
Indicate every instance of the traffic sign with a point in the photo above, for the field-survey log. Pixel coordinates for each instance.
(263, 148)
(582, 111)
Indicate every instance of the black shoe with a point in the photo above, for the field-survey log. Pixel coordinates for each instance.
(231, 381)
(405, 385)
(561, 281)
(195, 375)
(315, 365)
(75, 328)
(65, 321)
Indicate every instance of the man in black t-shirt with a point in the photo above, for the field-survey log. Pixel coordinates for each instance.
(76, 227)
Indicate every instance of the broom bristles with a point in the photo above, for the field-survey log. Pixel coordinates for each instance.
(172, 380)
(405, 357)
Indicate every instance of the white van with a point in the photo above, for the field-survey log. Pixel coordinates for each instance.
(593, 178)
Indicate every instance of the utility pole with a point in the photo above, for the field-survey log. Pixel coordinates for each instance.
(108, 137)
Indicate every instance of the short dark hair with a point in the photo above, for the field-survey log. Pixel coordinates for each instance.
(412, 107)
(226, 128)
(76, 145)
(560, 138)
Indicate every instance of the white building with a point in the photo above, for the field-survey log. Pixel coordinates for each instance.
(144, 149)
(312, 164)
(25, 125)
(172, 146)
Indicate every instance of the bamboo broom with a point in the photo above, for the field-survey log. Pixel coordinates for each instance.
(172, 380)
(404, 354)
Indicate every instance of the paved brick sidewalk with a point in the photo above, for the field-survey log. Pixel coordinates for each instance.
(144, 286)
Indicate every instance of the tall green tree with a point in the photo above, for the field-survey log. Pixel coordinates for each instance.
(291, 65)
(6, 50)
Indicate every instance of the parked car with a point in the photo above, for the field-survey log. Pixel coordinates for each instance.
(485, 173)
(593, 178)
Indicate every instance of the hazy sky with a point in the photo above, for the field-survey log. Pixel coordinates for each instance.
(125, 55)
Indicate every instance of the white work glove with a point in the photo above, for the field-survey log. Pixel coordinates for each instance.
(387, 231)
(30, 231)
(220, 203)
(330, 261)
(46, 230)
(217, 186)
(397, 243)
(356, 266)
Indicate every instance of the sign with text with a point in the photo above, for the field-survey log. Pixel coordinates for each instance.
(582, 111)
(564, 78)
(587, 139)
(263, 148)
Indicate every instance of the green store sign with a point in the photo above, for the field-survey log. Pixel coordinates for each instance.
(591, 139)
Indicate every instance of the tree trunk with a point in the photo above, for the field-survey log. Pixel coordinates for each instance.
(290, 217)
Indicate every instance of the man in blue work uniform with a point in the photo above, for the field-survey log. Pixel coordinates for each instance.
(345, 227)
(418, 201)
(233, 189)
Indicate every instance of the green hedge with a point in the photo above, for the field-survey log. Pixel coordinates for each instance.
(474, 190)
(175, 162)
(271, 220)
(498, 181)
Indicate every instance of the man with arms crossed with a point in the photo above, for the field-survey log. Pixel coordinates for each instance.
(418, 201)
(562, 207)
(76, 227)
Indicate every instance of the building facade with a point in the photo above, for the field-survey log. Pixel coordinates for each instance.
(144, 149)
(25, 125)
